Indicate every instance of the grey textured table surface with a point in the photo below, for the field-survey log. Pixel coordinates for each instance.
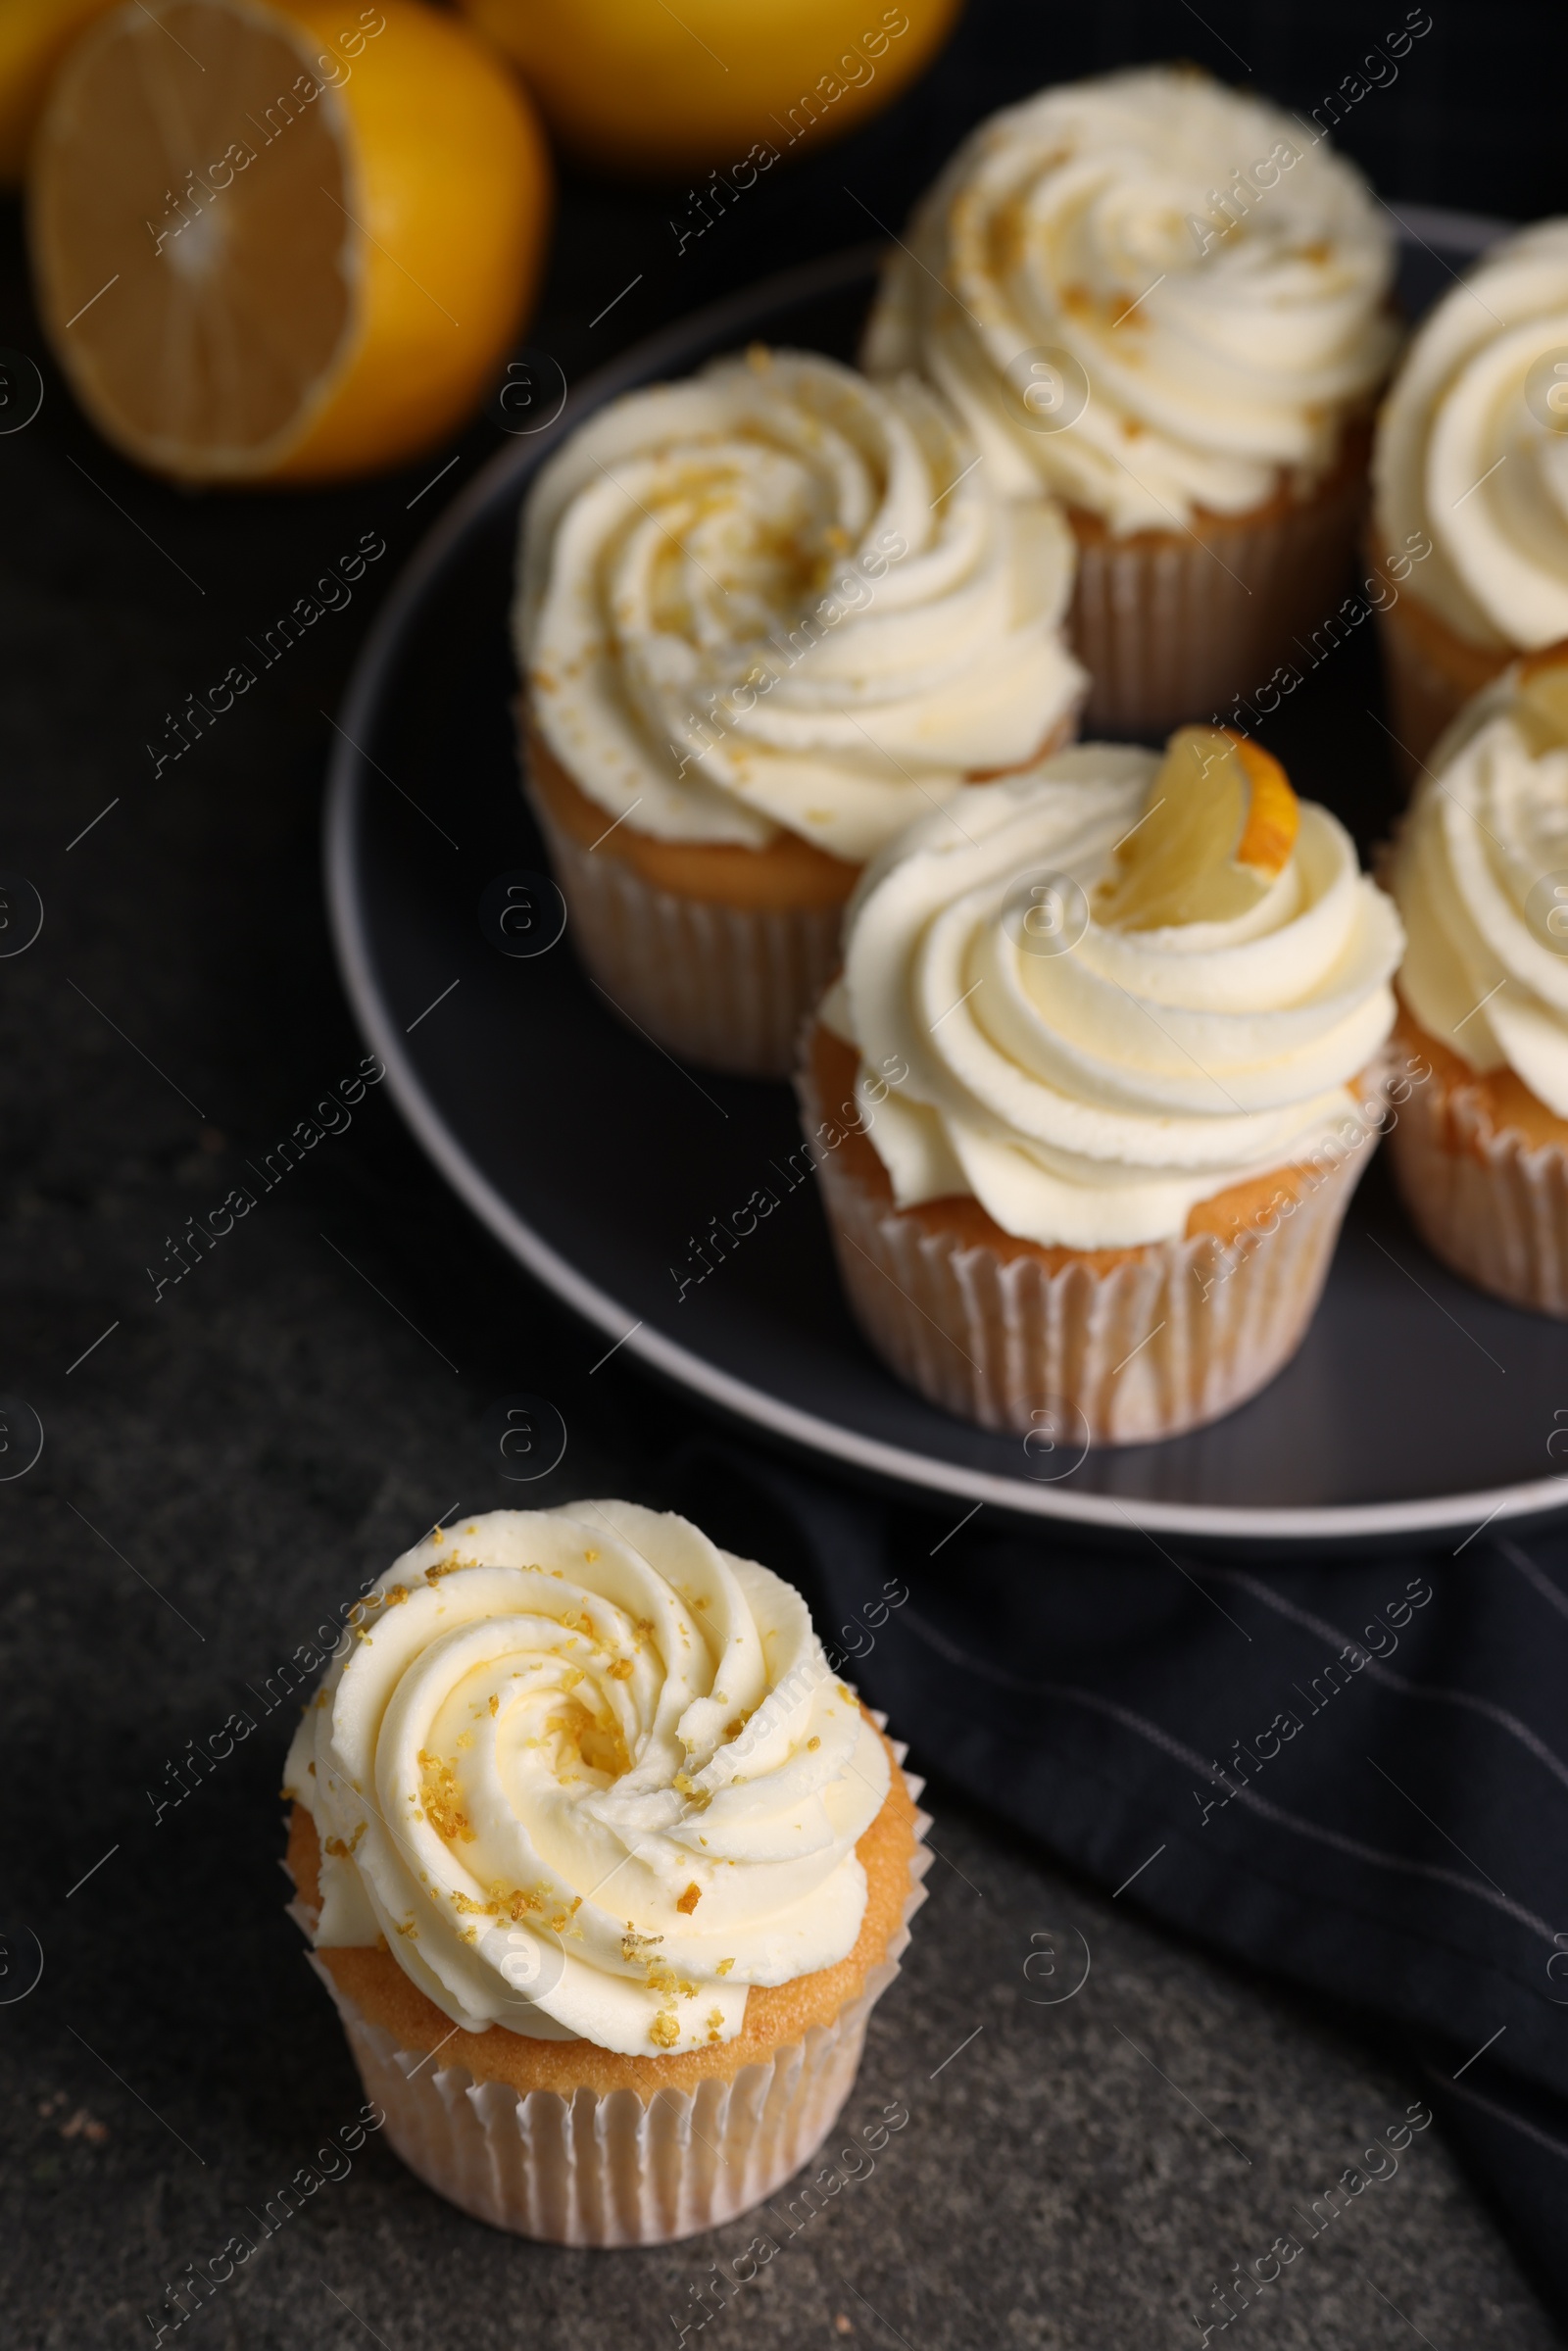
(225, 1460)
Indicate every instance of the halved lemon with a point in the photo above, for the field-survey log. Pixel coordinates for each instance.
(1218, 827)
(282, 244)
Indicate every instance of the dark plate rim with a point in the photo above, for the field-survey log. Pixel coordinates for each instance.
(348, 777)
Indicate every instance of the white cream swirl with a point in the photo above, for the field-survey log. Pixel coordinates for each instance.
(1219, 278)
(1481, 877)
(779, 595)
(1472, 447)
(590, 1777)
(1092, 1097)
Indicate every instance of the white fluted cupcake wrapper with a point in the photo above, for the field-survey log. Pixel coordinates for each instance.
(616, 2170)
(1174, 1337)
(1176, 626)
(726, 986)
(1492, 1207)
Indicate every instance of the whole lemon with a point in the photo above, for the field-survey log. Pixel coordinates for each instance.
(638, 86)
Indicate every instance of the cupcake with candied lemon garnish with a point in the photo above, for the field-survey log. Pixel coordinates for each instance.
(1096, 1088)
(1159, 299)
(604, 1869)
(764, 619)
(1480, 876)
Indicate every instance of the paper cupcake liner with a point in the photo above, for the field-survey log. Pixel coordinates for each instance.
(1491, 1204)
(1175, 625)
(725, 986)
(1429, 672)
(1175, 1334)
(615, 2169)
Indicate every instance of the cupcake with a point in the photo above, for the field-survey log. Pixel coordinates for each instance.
(1096, 1085)
(604, 1869)
(1168, 304)
(1480, 876)
(1470, 463)
(764, 619)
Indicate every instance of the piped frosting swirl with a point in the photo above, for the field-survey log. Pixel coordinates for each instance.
(1203, 285)
(1481, 877)
(779, 595)
(1472, 447)
(589, 1776)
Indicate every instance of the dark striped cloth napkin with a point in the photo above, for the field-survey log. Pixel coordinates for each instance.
(1351, 1772)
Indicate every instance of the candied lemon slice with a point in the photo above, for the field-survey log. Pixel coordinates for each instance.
(1543, 697)
(1217, 830)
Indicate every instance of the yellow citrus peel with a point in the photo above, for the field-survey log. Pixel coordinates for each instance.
(34, 35)
(639, 86)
